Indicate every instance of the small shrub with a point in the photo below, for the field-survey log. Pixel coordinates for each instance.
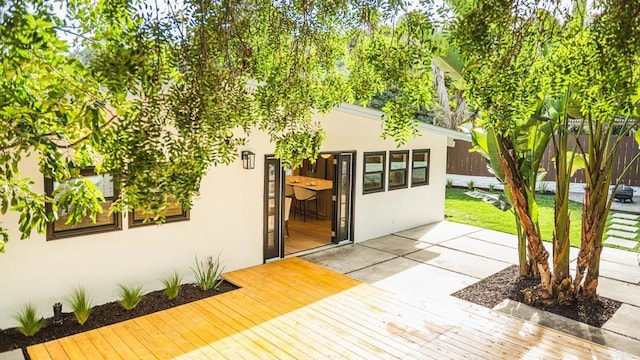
(491, 187)
(543, 187)
(172, 285)
(130, 296)
(80, 305)
(28, 321)
(208, 275)
(470, 185)
(449, 183)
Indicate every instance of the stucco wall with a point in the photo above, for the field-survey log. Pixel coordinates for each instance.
(226, 219)
(381, 213)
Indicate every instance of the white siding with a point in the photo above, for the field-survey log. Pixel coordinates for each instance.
(226, 219)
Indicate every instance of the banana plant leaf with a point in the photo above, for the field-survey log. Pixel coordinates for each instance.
(500, 201)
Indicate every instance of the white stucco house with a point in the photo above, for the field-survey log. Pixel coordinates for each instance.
(366, 187)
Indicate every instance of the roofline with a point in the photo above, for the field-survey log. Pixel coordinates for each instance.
(376, 114)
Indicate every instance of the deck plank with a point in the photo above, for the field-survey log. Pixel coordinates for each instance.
(292, 309)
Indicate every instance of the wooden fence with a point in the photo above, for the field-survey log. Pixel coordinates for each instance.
(461, 162)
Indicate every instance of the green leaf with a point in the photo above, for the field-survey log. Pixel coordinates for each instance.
(498, 200)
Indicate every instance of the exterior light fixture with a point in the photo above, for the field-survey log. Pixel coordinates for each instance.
(325, 156)
(248, 159)
(57, 314)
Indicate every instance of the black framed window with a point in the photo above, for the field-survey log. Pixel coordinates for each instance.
(173, 213)
(103, 223)
(374, 170)
(398, 169)
(420, 167)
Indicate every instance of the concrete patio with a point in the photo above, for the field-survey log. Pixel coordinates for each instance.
(426, 264)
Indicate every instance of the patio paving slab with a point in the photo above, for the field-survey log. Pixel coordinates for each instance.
(496, 237)
(483, 248)
(460, 262)
(598, 335)
(12, 355)
(415, 282)
(627, 228)
(347, 258)
(395, 244)
(625, 321)
(438, 232)
(629, 244)
(619, 290)
(620, 256)
(617, 271)
(626, 216)
(622, 234)
(617, 220)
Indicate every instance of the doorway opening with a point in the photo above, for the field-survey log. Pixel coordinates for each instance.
(310, 206)
(309, 189)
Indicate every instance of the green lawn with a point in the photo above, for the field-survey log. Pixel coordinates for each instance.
(463, 209)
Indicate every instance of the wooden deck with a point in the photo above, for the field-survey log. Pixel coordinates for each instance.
(292, 309)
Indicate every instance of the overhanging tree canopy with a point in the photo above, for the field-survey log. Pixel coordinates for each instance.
(164, 92)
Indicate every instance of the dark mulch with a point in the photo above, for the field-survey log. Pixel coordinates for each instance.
(107, 314)
(507, 284)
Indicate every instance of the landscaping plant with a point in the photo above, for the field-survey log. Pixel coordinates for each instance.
(28, 321)
(80, 305)
(208, 274)
(130, 296)
(172, 285)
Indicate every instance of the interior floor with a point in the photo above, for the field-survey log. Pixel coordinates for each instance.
(305, 235)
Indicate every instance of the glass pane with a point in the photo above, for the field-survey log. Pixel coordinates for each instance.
(270, 223)
(101, 219)
(420, 160)
(343, 198)
(397, 178)
(174, 209)
(272, 189)
(398, 161)
(373, 181)
(271, 243)
(419, 176)
(373, 163)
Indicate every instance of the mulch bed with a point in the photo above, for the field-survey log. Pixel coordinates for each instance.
(107, 314)
(507, 284)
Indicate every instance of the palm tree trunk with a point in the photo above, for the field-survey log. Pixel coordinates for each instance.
(594, 217)
(599, 171)
(442, 94)
(518, 189)
(525, 270)
(561, 240)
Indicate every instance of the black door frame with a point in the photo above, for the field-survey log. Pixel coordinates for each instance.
(337, 157)
(278, 209)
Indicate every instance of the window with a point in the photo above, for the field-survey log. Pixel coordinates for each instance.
(104, 222)
(398, 169)
(374, 168)
(420, 167)
(173, 213)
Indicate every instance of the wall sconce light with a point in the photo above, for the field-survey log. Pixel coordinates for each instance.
(57, 314)
(248, 159)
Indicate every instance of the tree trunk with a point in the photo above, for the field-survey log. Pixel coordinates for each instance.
(561, 240)
(594, 217)
(525, 269)
(599, 170)
(518, 189)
